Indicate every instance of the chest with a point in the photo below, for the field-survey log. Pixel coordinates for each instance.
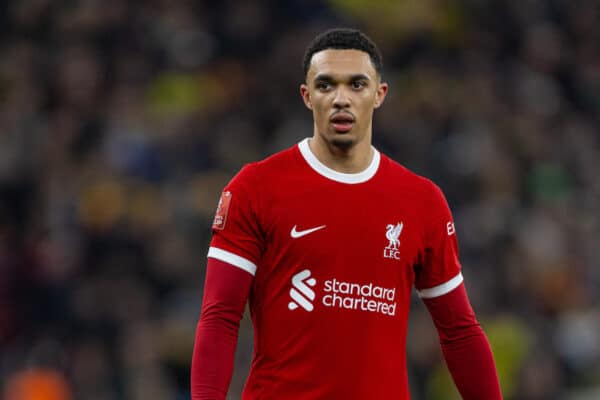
(372, 229)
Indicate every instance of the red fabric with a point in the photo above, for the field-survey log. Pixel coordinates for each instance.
(465, 346)
(225, 293)
(315, 296)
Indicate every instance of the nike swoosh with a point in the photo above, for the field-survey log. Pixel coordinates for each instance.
(297, 234)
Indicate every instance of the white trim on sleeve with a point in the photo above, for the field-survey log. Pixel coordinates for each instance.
(442, 289)
(232, 259)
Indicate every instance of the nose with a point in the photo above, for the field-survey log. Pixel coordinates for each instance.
(341, 99)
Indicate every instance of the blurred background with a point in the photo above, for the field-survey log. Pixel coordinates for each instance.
(121, 121)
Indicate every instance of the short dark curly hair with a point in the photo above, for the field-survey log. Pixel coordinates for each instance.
(342, 39)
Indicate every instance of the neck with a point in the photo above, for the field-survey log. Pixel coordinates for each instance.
(349, 160)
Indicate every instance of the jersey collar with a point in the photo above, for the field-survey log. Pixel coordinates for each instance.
(334, 175)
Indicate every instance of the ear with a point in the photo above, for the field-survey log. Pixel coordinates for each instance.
(305, 96)
(381, 93)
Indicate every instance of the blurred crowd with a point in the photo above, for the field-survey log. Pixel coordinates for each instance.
(122, 120)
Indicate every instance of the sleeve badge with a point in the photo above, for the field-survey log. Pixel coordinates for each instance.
(222, 210)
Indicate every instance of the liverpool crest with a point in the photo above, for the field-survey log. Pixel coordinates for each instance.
(392, 234)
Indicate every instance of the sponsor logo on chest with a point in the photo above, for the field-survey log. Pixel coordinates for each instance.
(334, 293)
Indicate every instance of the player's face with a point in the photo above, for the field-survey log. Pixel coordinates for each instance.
(342, 89)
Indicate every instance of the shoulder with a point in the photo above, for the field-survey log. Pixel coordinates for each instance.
(425, 196)
(281, 159)
(257, 172)
(417, 184)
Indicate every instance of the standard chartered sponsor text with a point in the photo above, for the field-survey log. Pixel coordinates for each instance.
(354, 296)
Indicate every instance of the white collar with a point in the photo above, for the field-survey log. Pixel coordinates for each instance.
(334, 175)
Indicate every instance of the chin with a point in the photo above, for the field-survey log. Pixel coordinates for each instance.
(342, 142)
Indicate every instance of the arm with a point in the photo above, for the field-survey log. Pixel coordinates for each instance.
(465, 346)
(235, 247)
(225, 293)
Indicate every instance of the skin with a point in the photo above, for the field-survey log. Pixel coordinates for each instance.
(342, 81)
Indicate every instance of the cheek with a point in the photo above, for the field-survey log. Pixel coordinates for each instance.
(366, 106)
(320, 108)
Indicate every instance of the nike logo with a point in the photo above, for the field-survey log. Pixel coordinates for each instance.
(297, 234)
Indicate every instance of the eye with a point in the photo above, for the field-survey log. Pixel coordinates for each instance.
(322, 85)
(357, 85)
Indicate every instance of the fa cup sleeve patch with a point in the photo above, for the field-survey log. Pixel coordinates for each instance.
(222, 210)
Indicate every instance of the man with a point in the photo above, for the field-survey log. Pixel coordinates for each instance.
(326, 240)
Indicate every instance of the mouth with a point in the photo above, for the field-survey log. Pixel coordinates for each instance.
(342, 122)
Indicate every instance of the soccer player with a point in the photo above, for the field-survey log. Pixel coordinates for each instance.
(326, 240)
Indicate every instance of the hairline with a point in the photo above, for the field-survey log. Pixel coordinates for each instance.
(378, 75)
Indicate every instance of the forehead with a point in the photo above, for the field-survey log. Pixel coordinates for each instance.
(338, 62)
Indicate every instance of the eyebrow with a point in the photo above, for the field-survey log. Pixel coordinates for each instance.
(329, 78)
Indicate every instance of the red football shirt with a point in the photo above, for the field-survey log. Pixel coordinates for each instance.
(334, 257)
